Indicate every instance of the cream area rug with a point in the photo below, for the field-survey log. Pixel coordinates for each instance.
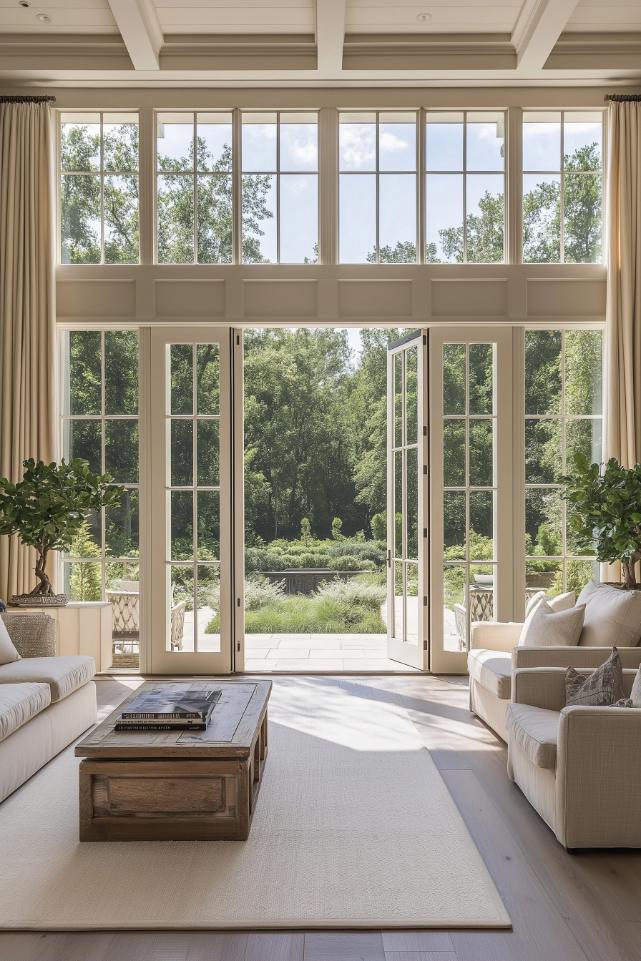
(354, 827)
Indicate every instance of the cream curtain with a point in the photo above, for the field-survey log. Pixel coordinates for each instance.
(27, 292)
(623, 327)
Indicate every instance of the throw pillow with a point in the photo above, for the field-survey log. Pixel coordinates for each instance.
(548, 628)
(563, 602)
(612, 616)
(603, 687)
(533, 602)
(8, 653)
(635, 693)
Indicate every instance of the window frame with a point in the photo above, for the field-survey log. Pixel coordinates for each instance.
(101, 173)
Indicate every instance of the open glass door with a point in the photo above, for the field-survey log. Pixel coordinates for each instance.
(190, 501)
(406, 501)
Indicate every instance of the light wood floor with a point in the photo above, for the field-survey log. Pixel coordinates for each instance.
(585, 907)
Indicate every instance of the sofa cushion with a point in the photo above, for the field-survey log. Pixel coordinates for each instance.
(492, 670)
(19, 703)
(612, 616)
(8, 652)
(63, 674)
(535, 730)
(546, 627)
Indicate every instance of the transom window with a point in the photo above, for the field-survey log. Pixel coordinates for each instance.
(99, 188)
(563, 415)
(194, 208)
(562, 187)
(377, 201)
(280, 188)
(464, 187)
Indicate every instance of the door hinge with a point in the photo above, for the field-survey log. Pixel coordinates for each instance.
(424, 339)
(425, 532)
(424, 600)
(389, 557)
(238, 602)
(424, 645)
(424, 430)
(238, 340)
(425, 468)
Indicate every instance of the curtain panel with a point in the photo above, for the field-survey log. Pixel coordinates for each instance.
(623, 314)
(27, 309)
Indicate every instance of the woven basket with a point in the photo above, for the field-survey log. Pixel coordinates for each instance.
(33, 635)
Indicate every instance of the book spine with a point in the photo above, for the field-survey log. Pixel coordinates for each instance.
(181, 716)
(160, 727)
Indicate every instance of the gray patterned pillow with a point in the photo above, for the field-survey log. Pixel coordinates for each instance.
(603, 687)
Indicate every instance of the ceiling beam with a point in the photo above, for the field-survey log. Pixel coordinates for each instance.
(140, 30)
(330, 33)
(539, 26)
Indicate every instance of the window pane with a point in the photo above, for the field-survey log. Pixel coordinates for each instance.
(84, 441)
(481, 592)
(454, 453)
(542, 371)
(357, 241)
(485, 141)
(544, 576)
(181, 609)
(397, 142)
(80, 219)
(481, 453)
(582, 218)
(454, 379)
(298, 144)
(120, 147)
(412, 502)
(181, 445)
(583, 436)
(80, 144)
(399, 601)
(182, 525)
(208, 453)
(175, 219)
(454, 525)
(411, 603)
(84, 372)
(398, 399)
(411, 397)
(83, 582)
(121, 220)
(208, 607)
(542, 451)
(444, 218)
(542, 141)
(175, 142)
(259, 219)
(121, 372)
(541, 219)
(259, 143)
(208, 525)
(582, 136)
(215, 219)
(543, 523)
(398, 503)
(481, 378)
(357, 145)
(397, 218)
(481, 525)
(455, 615)
(121, 450)
(182, 400)
(298, 219)
(485, 218)
(121, 526)
(207, 379)
(214, 140)
(444, 142)
(583, 372)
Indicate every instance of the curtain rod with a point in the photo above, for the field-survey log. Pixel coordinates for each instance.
(21, 99)
(624, 97)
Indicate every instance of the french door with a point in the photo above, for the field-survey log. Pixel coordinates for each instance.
(190, 482)
(407, 526)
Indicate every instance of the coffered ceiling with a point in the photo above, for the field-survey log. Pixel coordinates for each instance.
(320, 42)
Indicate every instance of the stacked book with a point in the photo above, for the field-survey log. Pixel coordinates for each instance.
(162, 710)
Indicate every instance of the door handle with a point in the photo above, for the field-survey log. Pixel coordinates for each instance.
(389, 557)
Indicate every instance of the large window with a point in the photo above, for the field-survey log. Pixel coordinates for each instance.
(100, 424)
(194, 219)
(464, 187)
(377, 204)
(280, 188)
(562, 187)
(563, 415)
(99, 188)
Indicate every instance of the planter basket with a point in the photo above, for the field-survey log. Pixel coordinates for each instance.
(39, 600)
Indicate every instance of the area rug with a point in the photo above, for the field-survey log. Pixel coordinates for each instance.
(354, 828)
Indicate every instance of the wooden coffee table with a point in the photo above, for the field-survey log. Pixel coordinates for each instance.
(177, 785)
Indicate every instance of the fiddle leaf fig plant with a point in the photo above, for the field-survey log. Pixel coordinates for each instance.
(48, 507)
(604, 512)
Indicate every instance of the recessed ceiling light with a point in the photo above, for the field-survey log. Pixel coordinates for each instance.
(423, 17)
(43, 18)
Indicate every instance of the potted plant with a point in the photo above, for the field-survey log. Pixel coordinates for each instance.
(605, 512)
(47, 509)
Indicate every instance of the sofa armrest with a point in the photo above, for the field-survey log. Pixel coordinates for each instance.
(540, 687)
(572, 656)
(32, 635)
(494, 635)
(598, 785)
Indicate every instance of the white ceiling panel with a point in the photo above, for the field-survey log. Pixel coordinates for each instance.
(596, 16)
(66, 16)
(442, 16)
(236, 16)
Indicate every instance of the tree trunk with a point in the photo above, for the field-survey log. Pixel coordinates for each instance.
(627, 567)
(44, 584)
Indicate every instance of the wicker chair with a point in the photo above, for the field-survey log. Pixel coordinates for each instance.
(126, 616)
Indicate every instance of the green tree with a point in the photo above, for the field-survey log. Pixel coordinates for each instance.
(85, 581)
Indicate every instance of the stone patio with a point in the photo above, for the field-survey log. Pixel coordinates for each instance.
(319, 652)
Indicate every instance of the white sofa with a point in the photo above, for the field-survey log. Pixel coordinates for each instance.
(579, 767)
(494, 654)
(46, 702)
